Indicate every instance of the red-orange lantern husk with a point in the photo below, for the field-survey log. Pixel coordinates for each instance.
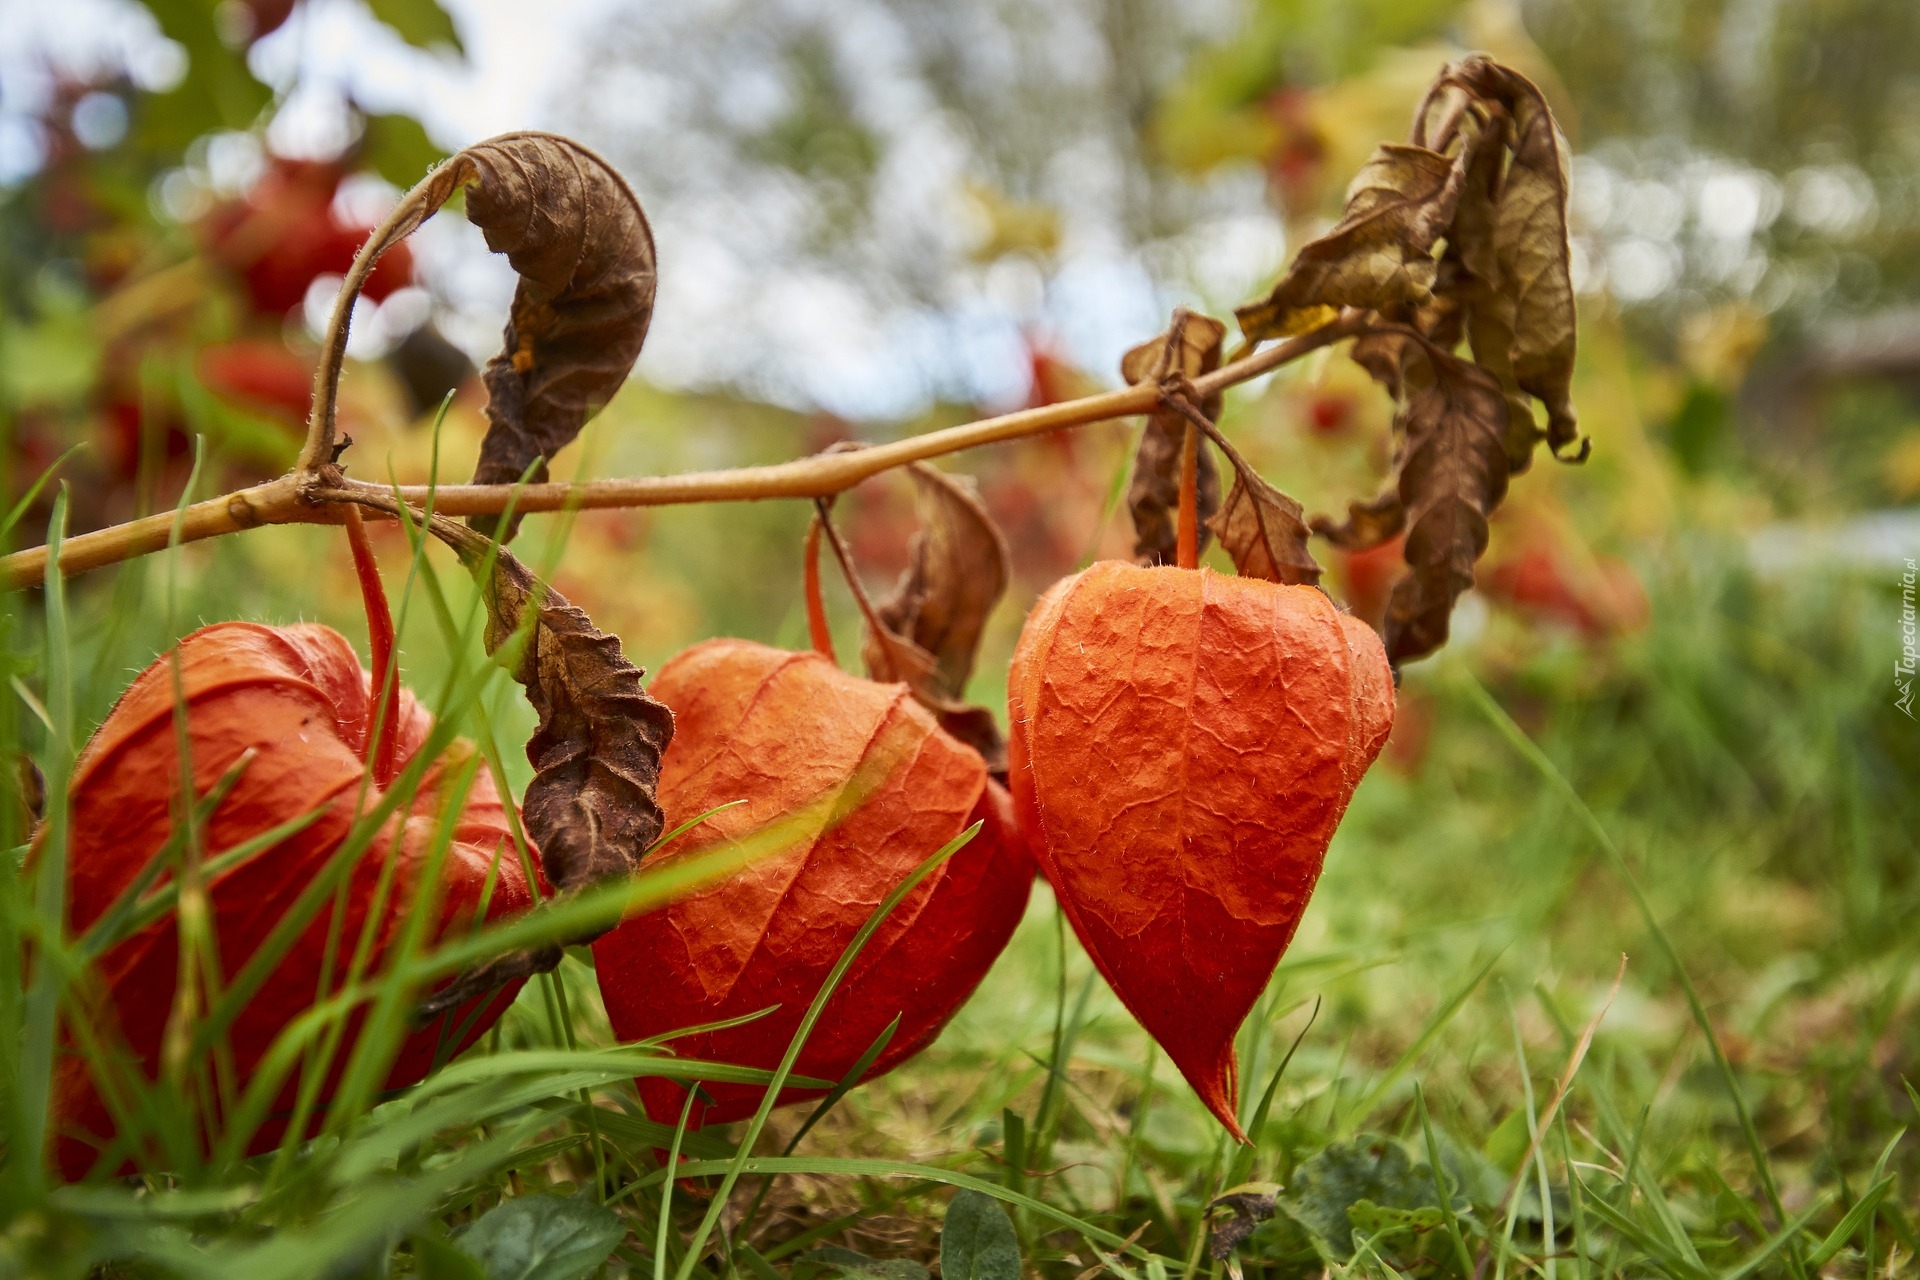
(299, 700)
(863, 787)
(1182, 746)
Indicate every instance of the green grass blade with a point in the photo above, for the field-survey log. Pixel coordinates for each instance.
(1785, 1237)
(32, 495)
(1848, 1226)
(1671, 1261)
(1442, 1192)
(1256, 1128)
(1550, 773)
(671, 1168)
(1360, 1108)
(38, 1048)
(854, 1075)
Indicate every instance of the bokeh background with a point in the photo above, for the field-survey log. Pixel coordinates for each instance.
(879, 216)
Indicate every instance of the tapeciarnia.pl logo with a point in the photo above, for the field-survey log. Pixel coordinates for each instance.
(1903, 666)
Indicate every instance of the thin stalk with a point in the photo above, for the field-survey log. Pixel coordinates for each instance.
(1187, 530)
(819, 635)
(380, 640)
(823, 475)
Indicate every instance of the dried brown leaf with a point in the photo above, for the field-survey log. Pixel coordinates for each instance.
(1511, 236)
(1451, 473)
(1189, 348)
(590, 808)
(1368, 524)
(1246, 1210)
(574, 232)
(934, 617)
(596, 753)
(1380, 255)
(1263, 529)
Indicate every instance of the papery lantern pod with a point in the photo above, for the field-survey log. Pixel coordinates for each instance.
(853, 785)
(289, 743)
(284, 718)
(1182, 746)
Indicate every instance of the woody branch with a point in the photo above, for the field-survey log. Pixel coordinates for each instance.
(310, 495)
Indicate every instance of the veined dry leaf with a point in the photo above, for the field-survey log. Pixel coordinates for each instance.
(1452, 472)
(574, 232)
(958, 572)
(1368, 524)
(596, 754)
(1512, 238)
(938, 609)
(1381, 253)
(1263, 529)
(1189, 348)
(591, 807)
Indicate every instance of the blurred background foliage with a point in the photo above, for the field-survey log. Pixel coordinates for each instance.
(880, 216)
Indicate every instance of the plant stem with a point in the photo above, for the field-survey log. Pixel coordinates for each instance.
(380, 640)
(818, 632)
(821, 475)
(1186, 551)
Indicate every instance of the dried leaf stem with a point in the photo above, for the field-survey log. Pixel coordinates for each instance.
(309, 496)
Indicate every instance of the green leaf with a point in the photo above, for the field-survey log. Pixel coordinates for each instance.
(544, 1238)
(1507, 1144)
(438, 1259)
(218, 91)
(977, 1242)
(1379, 1219)
(1370, 1171)
(398, 149)
(421, 23)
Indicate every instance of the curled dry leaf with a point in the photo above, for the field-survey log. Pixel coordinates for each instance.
(1452, 471)
(1381, 253)
(1247, 1208)
(1190, 347)
(1512, 239)
(934, 617)
(596, 754)
(574, 232)
(1368, 524)
(591, 806)
(1459, 236)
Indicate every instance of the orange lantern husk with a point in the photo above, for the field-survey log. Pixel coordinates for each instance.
(849, 785)
(1182, 746)
(298, 700)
